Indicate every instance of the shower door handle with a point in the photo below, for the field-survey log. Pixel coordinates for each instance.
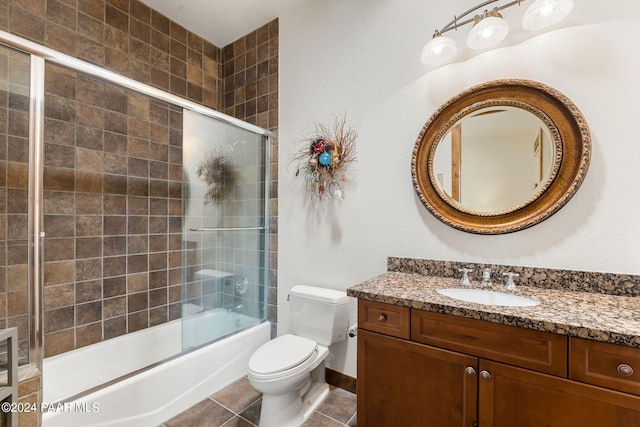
(225, 228)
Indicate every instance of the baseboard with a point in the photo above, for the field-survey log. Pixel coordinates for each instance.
(340, 380)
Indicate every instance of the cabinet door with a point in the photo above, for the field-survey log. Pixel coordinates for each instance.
(512, 396)
(401, 383)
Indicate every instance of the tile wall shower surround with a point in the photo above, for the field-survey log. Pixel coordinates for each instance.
(569, 280)
(125, 36)
(112, 211)
(250, 77)
(597, 316)
(131, 39)
(250, 92)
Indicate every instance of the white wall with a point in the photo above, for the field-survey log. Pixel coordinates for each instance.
(497, 173)
(362, 57)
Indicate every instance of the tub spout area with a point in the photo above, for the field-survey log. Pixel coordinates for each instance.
(237, 309)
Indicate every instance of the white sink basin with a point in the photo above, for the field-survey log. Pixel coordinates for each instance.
(483, 296)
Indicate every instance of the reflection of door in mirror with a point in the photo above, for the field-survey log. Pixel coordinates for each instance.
(447, 162)
(494, 159)
(543, 155)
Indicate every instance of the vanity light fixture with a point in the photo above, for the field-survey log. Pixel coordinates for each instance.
(490, 28)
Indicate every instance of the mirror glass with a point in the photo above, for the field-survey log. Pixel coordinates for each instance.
(494, 160)
(501, 156)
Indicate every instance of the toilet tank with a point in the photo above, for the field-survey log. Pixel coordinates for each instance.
(319, 314)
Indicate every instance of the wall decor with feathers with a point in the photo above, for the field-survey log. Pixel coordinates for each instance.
(323, 157)
(218, 172)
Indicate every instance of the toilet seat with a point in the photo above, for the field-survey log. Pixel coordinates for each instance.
(283, 356)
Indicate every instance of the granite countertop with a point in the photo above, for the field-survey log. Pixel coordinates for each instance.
(600, 317)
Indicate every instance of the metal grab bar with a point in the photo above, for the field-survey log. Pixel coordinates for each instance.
(225, 228)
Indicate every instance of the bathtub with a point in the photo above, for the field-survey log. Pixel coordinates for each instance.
(154, 395)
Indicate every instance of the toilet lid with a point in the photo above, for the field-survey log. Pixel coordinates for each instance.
(282, 353)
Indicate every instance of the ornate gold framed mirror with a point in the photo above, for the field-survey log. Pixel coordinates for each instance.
(501, 156)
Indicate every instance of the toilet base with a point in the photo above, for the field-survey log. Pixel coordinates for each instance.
(291, 409)
(313, 398)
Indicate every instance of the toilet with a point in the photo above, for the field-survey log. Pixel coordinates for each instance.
(289, 370)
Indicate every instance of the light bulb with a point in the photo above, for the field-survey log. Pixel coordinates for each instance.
(545, 13)
(438, 50)
(488, 32)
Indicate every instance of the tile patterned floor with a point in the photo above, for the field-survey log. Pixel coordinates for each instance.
(238, 405)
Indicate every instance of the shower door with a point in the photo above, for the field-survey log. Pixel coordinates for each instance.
(224, 229)
(15, 222)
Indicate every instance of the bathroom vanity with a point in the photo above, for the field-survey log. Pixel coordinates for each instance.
(428, 360)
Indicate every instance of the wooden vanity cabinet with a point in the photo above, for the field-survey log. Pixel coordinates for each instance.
(454, 371)
(401, 383)
(512, 396)
(404, 383)
(606, 365)
(386, 319)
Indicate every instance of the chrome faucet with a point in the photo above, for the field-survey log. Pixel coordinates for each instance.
(237, 309)
(486, 278)
(510, 285)
(464, 280)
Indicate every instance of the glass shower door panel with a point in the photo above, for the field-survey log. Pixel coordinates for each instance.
(14, 196)
(224, 229)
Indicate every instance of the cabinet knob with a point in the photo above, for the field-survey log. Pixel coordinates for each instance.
(625, 370)
(485, 375)
(382, 317)
(470, 371)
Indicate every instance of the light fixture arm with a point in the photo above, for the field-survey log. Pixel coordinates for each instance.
(455, 23)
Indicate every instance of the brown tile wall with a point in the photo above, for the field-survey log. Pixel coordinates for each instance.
(101, 141)
(14, 178)
(95, 146)
(250, 83)
(250, 93)
(112, 211)
(125, 36)
(14, 199)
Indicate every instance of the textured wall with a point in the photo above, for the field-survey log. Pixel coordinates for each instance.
(362, 57)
